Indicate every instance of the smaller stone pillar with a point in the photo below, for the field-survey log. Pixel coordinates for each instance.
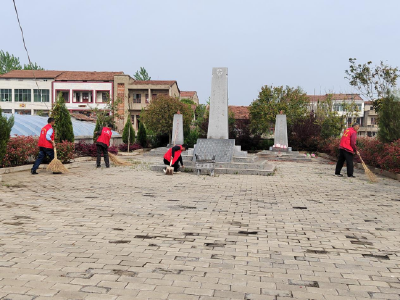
(177, 129)
(281, 136)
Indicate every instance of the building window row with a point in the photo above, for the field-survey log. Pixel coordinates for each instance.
(25, 95)
(85, 96)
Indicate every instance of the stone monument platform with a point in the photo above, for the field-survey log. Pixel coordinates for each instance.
(283, 155)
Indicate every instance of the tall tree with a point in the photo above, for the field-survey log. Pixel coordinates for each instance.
(129, 133)
(32, 66)
(158, 117)
(63, 127)
(389, 119)
(271, 101)
(8, 62)
(142, 135)
(5, 130)
(373, 82)
(142, 75)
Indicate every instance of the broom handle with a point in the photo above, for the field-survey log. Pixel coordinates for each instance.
(55, 153)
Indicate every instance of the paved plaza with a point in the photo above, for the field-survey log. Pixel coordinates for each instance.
(130, 233)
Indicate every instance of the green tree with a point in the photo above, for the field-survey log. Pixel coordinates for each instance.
(32, 66)
(159, 115)
(389, 119)
(373, 82)
(97, 127)
(142, 135)
(106, 116)
(271, 101)
(142, 75)
(188, 101)
(5, 130)
(8, 62)
(63, 127)
(129, 133)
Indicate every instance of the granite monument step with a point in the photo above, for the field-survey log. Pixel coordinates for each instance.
(283, 156)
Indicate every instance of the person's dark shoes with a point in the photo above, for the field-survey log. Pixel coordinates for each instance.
(33, 172)
(338, 175)
(352, 176)
(98, 166)
(107, 166)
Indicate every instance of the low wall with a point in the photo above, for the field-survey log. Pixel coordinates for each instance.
(115, 141)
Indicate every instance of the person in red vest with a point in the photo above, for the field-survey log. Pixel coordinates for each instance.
(174, 154)
(102, 144)
(347, 149)
(46, 144)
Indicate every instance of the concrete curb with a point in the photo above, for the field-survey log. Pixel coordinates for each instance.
(359, 166)
(73, 164)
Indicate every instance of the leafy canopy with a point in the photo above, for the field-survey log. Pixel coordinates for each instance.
(271, 101)
(129, 133)
(373, 82)
(142, 75)
(9, 62)
(159, 115)
(389, 119)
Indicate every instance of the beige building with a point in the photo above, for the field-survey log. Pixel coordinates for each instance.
(192, 95)
(369, 126)
(136, 95)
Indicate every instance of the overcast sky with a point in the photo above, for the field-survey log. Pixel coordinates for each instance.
(304, 43)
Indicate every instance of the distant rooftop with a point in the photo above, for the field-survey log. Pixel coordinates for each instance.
(347, 97)
(187, 94)
(61, 75)
(31, 126)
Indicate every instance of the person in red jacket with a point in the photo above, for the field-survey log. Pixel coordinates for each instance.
(174, 154)
(102, 144)
(46, 144)
(347, 149)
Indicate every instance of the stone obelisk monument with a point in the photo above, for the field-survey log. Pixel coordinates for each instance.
(177, 129)
(218, 120)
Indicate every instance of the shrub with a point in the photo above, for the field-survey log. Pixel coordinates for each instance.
(142, 135)
(19, 150)
(390, 161)
(132, 147)
(5, 129)
(192, 137)
(125, 134)
(304, 134)
(85, 149)
(65, 151)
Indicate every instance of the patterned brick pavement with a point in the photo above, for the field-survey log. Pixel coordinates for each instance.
(129, 233)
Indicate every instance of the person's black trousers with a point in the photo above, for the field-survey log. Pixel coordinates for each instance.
(42, 153)
(102, 149)
(175, 165)
(345, 156)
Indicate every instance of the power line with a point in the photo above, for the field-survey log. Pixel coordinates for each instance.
(27, 53)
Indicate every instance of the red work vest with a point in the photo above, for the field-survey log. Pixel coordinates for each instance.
(345, 140)
(168, 155)
(105, 136)
(42, 138)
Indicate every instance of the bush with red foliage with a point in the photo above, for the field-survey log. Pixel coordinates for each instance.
(374, 153)
(132, 147)
(20, 150)
(89, 149)
(304, 134)
(65, 151)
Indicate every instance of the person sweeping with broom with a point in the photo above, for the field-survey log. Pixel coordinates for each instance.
(46, 144)
(173, 157)
(347, 150)
(102, 144)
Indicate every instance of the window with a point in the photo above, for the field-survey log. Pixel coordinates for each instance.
(137, 98)
(64, 95)
(83, 96)
(22, 95)
(147, 98)
(371, 107)
(337, 107)
(137, 121)
(5, 95)
(373, 121)
(41, 95)
(102, 96)
(359, 107)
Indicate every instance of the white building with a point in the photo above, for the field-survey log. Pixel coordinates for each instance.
(34, 92)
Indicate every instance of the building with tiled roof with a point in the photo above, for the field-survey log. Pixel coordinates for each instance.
(240, 112)
(192, 95)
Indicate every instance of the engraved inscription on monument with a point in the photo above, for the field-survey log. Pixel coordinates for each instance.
(222, 149)
(177, 130)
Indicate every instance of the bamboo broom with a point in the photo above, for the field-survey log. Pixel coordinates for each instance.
(116, 161)
(56, 166)
(370, 175)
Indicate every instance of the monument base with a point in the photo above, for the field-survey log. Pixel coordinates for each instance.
(276, 149)
(221, 149)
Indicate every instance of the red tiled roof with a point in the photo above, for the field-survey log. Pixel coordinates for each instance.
(154, 82)
(369, 102)
(187, 94)
(31, 74)
(82, 117)
(240, 112)
(84, 75)
(62, 75)
(315, 98)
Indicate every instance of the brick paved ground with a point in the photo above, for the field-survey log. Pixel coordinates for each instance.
(129, 233)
